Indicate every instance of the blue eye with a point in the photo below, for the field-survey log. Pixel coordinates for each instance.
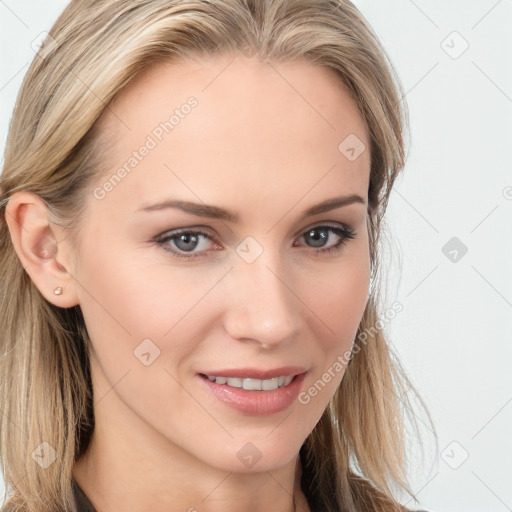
(185, 243)
(319, 237)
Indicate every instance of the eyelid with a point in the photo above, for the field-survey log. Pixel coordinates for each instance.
(328, 223)
(200, 230)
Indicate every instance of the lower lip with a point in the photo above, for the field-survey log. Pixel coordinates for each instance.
(256, 403)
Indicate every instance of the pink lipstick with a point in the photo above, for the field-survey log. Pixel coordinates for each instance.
(255, 392)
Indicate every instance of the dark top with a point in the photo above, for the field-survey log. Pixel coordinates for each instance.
(82, 501)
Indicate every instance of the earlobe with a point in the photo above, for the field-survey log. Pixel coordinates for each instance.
(41, 248)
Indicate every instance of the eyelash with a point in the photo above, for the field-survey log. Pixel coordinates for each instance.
(345, 233)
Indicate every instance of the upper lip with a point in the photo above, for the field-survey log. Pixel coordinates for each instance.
(256, 373)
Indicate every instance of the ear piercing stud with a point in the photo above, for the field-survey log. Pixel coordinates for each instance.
(58, 290)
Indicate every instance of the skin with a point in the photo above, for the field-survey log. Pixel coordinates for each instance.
(262, 142)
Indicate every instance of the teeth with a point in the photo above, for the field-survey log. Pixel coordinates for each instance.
(269, 384)
(253, 384)
(234, 382)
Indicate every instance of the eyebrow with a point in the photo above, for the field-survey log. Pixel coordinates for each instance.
(215, 212)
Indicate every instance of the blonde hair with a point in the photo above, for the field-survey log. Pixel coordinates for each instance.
(356, 454)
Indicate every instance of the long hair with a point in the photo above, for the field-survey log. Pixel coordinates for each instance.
(355, 458)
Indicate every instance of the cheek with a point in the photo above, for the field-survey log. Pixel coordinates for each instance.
(133, 305)
(338, 296)
(339, 303)
(346, 302)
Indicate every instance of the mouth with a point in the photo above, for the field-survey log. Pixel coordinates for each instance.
(255, 392)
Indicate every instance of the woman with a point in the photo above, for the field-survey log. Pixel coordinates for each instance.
(193, 194)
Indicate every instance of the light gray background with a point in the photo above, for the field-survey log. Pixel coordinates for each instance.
(453, 334)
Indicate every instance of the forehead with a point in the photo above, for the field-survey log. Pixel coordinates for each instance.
(228, 126)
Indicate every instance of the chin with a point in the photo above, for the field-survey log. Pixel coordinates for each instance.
(254, 456)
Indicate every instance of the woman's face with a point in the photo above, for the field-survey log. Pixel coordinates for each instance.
(240, 281)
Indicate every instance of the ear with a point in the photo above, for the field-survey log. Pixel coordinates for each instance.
(41, 247)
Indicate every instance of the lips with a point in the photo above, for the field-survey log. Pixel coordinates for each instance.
(250, 400)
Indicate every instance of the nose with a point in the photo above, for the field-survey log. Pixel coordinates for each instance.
(260, 303)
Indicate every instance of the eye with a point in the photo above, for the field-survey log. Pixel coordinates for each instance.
(318, 237)
(188, 243)
(185, 243)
